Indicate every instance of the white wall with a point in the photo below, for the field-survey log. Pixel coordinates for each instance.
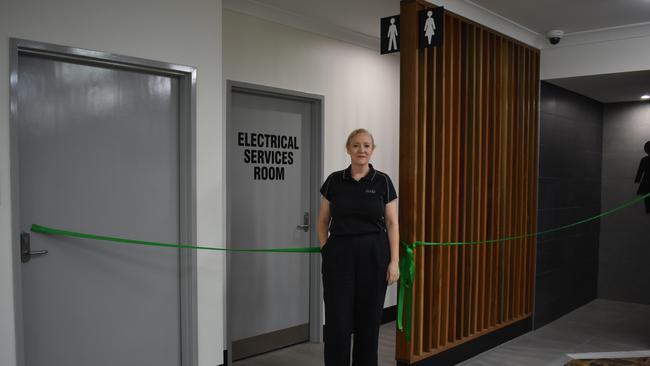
(186, 33)
(317, 25)
(361, 87)
(594, 53)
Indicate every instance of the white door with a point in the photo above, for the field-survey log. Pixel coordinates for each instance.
(269, 192)
(98, 152)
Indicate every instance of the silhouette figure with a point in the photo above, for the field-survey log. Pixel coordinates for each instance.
(392, 35)
(429, 27)
(643, 176)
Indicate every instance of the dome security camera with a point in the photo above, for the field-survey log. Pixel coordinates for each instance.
(554, 36)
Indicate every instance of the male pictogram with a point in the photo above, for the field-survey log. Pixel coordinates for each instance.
(392, 35)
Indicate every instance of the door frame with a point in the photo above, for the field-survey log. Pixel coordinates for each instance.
(316, 176)
(186, 76)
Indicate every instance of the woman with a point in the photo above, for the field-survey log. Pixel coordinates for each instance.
(360, 255)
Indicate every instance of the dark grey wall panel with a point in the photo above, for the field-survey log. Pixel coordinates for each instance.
(569, 190)
(625, 236)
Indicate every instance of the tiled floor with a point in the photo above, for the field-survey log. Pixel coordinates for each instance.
(600, 326)
(311, 354)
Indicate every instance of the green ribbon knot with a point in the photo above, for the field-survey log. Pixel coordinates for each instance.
(407, 272)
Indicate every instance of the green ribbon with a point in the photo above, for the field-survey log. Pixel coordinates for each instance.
(407, 263)
(73, 234)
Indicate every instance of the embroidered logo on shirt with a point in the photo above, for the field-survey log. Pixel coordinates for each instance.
(370, 191)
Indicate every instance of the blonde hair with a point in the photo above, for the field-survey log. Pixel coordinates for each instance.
(359, 131)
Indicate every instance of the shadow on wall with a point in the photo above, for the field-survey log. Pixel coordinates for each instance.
(643, 176)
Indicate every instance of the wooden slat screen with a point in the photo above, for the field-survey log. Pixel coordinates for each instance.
(468, 171)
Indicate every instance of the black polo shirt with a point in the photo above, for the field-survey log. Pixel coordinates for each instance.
(358, 207)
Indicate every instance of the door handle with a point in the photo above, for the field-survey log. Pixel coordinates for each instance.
(26, 251)
(305, 223)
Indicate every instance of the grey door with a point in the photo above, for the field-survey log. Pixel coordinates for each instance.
(98, 152)
(269, 193)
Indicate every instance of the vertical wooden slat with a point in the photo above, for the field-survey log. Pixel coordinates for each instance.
(471, 161)
(408, 158)
(494, 174)
(498, 217)
(455, 148)
(438, 128)
(522, 180)
(527, 173)
(516, 202)
(490, 168)
(462, 166)
(532, 223)
(483, 105)
(512, 202)
(479, 178)
(439, 163)
(503, 153)
(530, 172)
(525, 182)
(478, 186)
(450, 38)
(533, 84)
(429, 182)
(517, 180)
(508, 187)
(418, 315)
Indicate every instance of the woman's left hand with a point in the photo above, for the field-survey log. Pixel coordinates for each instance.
(392, 274)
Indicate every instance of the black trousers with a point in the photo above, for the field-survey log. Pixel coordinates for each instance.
(354, 289)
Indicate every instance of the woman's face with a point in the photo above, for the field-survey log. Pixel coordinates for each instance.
(360, 149)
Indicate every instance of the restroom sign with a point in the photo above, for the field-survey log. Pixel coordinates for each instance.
(389, 27)
(431, 26)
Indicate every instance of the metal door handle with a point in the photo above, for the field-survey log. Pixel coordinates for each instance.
(26, 251)
(305, 226)
(37, 252)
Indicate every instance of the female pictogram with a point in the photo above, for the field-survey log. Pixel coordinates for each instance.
(429, 26)
(643, 176)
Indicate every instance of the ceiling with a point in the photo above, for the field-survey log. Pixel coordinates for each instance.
(538, 16)
(361, 17)
(609, 88)
(570, 15)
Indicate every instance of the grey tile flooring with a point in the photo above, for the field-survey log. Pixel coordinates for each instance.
(600, 326)
(311, 354)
